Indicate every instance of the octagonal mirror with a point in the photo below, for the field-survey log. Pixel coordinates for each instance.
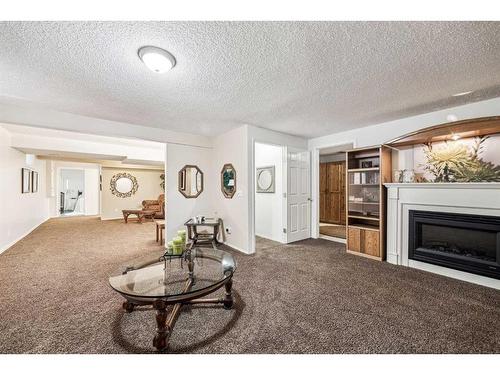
(190, 181)
(228, 180)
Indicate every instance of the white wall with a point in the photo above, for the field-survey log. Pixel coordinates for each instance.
(179, 208)
(232, 147)
(48, 141)
(92, 192)
(16, 112)
(269, 206)
(236, 147)
(19, 213)
(384, 132)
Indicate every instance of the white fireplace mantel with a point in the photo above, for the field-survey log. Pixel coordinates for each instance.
(465, 198)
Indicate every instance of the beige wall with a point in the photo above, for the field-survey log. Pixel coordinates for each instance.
(149, 188)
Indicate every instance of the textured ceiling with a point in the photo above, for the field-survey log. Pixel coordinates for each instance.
(302, 78)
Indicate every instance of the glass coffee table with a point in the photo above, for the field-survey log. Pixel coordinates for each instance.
(176, 280)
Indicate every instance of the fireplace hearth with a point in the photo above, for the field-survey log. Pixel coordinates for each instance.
(469, 243)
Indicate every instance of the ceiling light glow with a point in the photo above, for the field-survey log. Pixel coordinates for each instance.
(462, 93)
(156, 59)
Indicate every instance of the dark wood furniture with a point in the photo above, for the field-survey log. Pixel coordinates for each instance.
(367, 170)
(332, 193)
(160, 227)
(141, 214)
(164, 282)
(196, 237)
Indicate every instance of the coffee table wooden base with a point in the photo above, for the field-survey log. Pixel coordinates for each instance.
(141, 214)
(165, 322)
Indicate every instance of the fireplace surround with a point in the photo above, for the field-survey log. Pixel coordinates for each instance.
(478, 202)
(469, 243)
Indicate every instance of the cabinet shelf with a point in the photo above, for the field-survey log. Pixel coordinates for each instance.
(364, 169)
(365, 226)
(363, 217)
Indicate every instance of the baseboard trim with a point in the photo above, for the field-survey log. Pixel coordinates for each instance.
(236, 248)
(12, 243)
(111, 218)
(270, 239)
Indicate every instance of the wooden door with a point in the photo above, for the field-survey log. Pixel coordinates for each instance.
(334, 195)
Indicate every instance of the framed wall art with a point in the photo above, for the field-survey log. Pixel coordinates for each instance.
(34, 181)
(25, 180)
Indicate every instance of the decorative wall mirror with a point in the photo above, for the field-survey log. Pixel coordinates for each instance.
(190, 181)
(123, 185)
(265, 179)
(228, 180)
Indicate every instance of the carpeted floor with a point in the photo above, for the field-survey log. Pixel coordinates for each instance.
(309, 297)
(332, 230)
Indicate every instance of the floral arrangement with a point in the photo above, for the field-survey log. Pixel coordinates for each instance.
(458, 163)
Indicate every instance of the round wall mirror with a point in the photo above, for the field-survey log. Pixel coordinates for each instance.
(228, 180)
(265, 180)
(123, 185)
(190, 181)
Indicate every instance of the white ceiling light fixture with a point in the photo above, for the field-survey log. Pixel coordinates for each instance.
(156, 59)
(463, 93)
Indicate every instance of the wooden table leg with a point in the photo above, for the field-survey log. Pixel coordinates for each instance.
(139, 218)
(157, 232)
(161, 235)
(228, 295)
(162, 330)
(125, 217)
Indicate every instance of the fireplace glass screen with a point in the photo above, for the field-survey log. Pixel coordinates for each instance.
(469, 243)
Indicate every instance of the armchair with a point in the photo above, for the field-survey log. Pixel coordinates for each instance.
(157, 205)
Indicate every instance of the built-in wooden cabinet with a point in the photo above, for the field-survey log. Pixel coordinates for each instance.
(332, 192)
(367, 170)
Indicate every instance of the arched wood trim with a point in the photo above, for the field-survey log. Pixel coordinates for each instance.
(442, 132)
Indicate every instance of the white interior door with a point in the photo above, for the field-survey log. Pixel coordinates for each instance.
(298, 195)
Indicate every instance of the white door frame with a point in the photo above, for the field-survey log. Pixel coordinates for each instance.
(315, 182)
(252, 190)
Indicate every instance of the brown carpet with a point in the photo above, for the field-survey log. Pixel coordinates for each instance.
(262, 243)
(309, 297)
(333, 230)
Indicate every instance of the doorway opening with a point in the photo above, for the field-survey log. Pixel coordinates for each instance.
(332, 193)
(269, 196)
(78, 191)
(71, 192)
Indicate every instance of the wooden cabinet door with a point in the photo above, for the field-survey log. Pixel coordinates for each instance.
(322, 192)
(354, 239)
(336, 193)
(371, 243)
